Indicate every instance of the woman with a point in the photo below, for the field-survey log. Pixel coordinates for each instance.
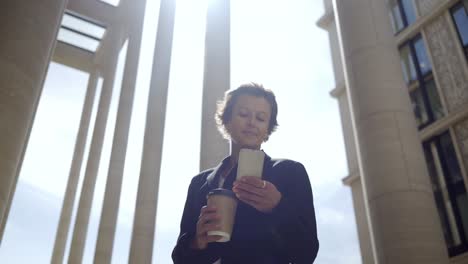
(275, 219)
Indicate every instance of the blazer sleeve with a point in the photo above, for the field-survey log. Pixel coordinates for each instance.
(294, 217)
(182, 253)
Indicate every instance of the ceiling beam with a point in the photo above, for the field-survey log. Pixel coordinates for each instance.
(96, 11)
(73, 57)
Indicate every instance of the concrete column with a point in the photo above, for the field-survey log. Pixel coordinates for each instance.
(73, 177)
(92, 166)
(215, 82)
(397, 192)
(28, 31)
(110, 208)
(141, 248)
(362, 223)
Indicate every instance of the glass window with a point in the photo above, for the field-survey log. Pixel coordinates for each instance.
(434, 100)
(77, 40)
(408, 9)
(419, 107)
(449, 191)
(395, 15)
(460, 19)
(409, 72)
(423, 61)
(453, 169)
(80, 33)
(80, 25)
(462, 204)
(417, 72)
(402, 14)
(442, 208)
(459, 13)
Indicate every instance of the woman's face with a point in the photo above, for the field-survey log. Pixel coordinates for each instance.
(249, 122)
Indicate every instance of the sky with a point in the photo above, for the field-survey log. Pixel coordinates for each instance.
(273, 42)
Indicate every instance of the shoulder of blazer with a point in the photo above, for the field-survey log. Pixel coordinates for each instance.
(284, 163)
(277, 167)
(200, 178)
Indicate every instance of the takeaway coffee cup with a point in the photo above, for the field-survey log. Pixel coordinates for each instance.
(226, 203)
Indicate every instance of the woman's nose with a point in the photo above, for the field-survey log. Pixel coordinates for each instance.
(251, 121)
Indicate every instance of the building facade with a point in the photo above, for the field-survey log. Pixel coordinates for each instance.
(428, 41)
(88, 35)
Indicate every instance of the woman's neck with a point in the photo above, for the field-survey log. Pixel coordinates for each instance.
(234, 154)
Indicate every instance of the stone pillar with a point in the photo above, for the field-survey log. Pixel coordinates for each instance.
(92, 166)
(362, 222)
(397, 192)
(28, 31)
(74, 176)
(141, 248)
(110, 207)
(216, 81)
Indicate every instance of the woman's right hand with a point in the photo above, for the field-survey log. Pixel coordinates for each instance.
(207, 221)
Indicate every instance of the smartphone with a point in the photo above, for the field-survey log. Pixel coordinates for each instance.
(250, 163)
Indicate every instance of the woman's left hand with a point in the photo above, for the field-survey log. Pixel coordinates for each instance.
(260, 194)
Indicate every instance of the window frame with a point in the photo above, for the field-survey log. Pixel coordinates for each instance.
(421, 79)
(461, 4)
(82, 34)
(403, 14)
(452, 189)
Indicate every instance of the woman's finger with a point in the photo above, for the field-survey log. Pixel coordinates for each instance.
(207, 209)
(208, 212)
(249, 196)
(208, 227)
(249, 193)
(252, 180)
(250, 188)
(208, 215)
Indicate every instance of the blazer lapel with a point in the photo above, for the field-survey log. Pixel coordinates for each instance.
(267, 168)
(211, 179)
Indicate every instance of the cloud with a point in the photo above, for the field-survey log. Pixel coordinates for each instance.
(286, 53)
(337, 228)
(31, 226)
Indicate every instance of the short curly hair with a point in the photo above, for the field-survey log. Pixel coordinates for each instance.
(225, 107)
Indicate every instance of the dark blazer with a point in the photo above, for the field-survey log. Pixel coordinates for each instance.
(286, 235)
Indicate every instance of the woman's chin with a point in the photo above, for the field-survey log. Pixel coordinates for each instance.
(250, 146)
(246, 144)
